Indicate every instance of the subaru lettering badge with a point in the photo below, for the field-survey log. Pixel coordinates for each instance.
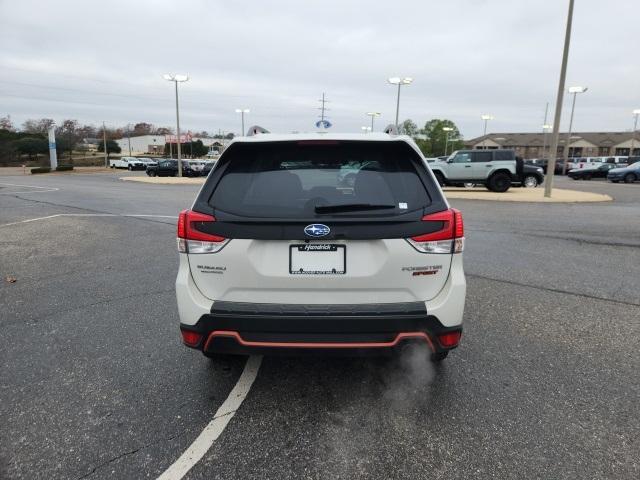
(317, 230)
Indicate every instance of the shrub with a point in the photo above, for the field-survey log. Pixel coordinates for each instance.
(41, 170)
(64, 168)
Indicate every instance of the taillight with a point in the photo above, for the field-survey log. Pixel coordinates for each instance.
(194, 240)
(448, 239)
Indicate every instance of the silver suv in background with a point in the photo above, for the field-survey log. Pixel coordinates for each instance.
(495, 169)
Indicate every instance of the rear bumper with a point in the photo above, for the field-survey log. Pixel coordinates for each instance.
(248, 328)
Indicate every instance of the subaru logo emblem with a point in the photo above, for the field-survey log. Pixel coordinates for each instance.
(317, 230)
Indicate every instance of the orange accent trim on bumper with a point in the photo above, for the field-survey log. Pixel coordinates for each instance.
(247, 343)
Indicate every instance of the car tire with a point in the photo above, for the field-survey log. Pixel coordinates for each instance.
(615, 181)
(499, 182)
(530, 181)
(437, 357)
(151, 173)
(469, 185)
(629, 178)
(130, 168)
(439, 178)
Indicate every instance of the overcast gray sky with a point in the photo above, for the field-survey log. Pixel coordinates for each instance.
(104, 60)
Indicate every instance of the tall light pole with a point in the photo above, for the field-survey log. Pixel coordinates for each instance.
(636, 114)
(548, 184)
(485, 118)
(129, 137)
(575, 91)
(242, 111)
(177, 79)
(373, 115)
(545, 129)
(399, 82)
(104, 145)
(446, 142)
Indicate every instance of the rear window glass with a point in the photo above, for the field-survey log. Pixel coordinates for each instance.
(319, 179)
(504, 155)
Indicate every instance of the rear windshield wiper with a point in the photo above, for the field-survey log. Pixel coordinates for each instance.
(351, 207)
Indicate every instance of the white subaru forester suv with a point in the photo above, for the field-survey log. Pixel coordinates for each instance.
(280, 253)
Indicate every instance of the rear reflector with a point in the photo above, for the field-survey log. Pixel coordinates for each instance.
(193, 240)
(448, 239)
(450, 339)
(192, 339)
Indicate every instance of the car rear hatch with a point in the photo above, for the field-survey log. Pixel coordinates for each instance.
(320, 222)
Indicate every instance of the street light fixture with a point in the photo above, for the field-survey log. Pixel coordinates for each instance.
(636, 114)
(373, 115)
(446, 142)
(242, 111)
(399, 82)
(485, 118)
(575, 91)
(177, 78)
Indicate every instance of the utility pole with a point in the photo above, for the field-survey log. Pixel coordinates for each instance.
(636, 113)
(575, 91)
(544, 131)
(548, 185)
(104, 145)
(129, 139)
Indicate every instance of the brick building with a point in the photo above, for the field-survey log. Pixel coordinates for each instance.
(582, 144)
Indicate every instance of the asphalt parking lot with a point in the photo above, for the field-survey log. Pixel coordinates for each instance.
(96, 384)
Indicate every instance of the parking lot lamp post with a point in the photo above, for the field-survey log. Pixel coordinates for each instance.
(373, 115)
(545, 130)
(399, 82)
(177, 79)
(575, 91)
(636, 114)
(446, 141)
(104, 145)
(242, 111)
(129, 138)
(486, 119)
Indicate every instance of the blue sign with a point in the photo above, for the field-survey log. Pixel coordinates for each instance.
(323, 124)
(317, 230)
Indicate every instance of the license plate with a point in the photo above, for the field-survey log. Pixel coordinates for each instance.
(317, 259)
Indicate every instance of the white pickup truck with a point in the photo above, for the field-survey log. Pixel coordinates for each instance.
(130, 163)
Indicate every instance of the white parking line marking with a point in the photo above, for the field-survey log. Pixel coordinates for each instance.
(211, 432)
(41, 189)
(87, 215)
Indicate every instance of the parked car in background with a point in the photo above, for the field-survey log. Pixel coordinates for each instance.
(493, 168)
(197, 165)
(169, 168)
(148, 161)
(130, 163)
(207, 168)
(628, 174)
(530, 177)
(595, 171)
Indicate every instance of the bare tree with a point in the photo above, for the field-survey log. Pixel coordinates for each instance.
(40, 125)
(6, 123)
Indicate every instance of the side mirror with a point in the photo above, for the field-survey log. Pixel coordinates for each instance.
(449, 160)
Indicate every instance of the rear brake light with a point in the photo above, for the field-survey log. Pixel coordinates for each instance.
(193, 240)
(449, 339)
(448, 239)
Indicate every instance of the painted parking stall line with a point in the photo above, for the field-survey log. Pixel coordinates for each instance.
(131, 215)
(221, 419)
(39, 189)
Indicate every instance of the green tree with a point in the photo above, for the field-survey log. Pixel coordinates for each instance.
(40, 125)
(31, 146)
(435, 140)
(7, 124)
(408, 127)
(112, 147)
(198, 148)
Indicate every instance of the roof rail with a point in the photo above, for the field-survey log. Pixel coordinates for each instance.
(255, 130)
(391, 129)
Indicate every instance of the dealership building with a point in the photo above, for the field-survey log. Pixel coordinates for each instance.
(581, 144)
(154, 144)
